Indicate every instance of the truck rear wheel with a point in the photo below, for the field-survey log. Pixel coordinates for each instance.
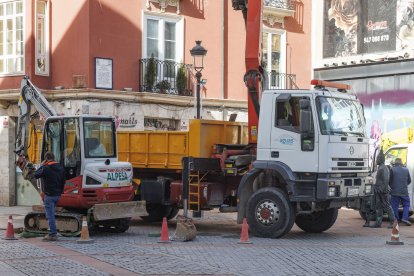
(317, 222)
(156, 212)
(270, 213)
(173, 213)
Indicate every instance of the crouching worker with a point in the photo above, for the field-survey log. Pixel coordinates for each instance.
(53, 176)
(381, 200)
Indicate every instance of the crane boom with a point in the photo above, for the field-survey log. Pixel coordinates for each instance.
(252, 11)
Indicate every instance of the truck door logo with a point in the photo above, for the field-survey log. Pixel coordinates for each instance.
(286, 140)
(351, 150)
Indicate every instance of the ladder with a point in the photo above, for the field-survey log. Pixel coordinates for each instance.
(194, 191)
(194, 172)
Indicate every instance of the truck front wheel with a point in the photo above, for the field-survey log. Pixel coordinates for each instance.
(317, 222)
(270, 213)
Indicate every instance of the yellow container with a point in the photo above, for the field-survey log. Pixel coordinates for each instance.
(165, 149)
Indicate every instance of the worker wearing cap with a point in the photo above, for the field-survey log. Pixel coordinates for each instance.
(399, 181)
(53, 176)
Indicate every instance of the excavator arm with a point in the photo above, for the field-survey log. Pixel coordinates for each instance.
(29, 94)
(254, 77)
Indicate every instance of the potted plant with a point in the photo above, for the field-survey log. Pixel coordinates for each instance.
(163, 86)
(150, 73)
(181, 79)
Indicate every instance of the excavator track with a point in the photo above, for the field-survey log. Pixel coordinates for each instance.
(111, 226)
(67, 224)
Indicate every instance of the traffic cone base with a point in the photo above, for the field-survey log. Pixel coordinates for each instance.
(395, 235)
(84, 238)
(164, 238)
(244, 236)
(9, 235)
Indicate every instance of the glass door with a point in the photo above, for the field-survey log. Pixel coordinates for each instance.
(274, 58)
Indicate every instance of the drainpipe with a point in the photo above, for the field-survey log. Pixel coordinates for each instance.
(222, 46)
(223, 6)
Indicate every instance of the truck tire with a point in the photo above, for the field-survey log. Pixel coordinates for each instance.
(317, 222)
(173, 213)
(156, 212)
(269, 213)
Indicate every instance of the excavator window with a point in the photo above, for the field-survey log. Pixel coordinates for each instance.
(99, 138)
(71, 145)
(52, 141)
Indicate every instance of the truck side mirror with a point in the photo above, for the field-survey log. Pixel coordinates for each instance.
(305, 116)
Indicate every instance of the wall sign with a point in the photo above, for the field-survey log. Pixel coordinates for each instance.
(104, 73)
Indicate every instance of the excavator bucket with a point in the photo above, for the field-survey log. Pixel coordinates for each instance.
(185, 230)
(119, 210)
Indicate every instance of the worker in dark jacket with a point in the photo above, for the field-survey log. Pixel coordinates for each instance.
(53, 176)
(381, 200)
(399, 180)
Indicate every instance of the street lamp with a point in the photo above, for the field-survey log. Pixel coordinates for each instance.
(198, 52)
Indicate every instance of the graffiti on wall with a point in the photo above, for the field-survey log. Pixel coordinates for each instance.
(387, 112)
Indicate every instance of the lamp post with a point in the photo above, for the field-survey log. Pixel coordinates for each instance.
(198, 52)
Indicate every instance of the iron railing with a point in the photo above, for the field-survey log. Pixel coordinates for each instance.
(163, 76)
(280, 4)
(274, 80)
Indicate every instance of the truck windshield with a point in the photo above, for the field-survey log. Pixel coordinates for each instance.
(99, 135)
(340, 116)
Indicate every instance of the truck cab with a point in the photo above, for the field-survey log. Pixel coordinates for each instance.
(312, 158)
(406, 153)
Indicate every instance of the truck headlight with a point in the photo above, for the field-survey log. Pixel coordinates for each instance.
(368, 189)
(332, 191)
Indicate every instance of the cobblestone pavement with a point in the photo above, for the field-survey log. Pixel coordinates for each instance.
(346, 249)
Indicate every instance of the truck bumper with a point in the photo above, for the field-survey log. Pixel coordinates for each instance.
(344, 188)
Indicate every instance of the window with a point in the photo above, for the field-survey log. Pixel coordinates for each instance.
(11, 37)
(163, 39)
(99, 138)
(273, 57)
(52, 141)
(395, 153)
(340, 116)
(287, 112)
(42, 38)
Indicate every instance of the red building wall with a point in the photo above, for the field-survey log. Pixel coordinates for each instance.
(84, 29)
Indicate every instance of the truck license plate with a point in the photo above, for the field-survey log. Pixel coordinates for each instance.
(354, 191)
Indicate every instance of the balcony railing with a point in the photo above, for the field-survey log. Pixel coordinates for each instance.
(280, 4)
(167, 77)
(274, 80)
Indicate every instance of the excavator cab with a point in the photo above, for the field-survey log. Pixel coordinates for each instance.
(62, 138)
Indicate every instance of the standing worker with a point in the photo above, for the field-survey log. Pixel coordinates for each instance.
(381, 200)
(53, 176)
(399, 181)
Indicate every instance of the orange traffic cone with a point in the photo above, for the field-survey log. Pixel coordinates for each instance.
(244, 237)
(164, 232)
(84, 238)
(9, 235)
(395, 235)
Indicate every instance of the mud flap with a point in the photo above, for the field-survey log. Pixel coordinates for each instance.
(106, 211)
(185, 230)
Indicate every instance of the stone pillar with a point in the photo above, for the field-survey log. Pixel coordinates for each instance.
(7, 161)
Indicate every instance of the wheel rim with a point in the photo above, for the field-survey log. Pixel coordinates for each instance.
(267, 212)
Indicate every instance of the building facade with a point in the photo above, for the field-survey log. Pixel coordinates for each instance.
(132, 59)
(369, 45)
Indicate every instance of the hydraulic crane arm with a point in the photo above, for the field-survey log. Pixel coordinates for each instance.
(29, 94)
(252, 11)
